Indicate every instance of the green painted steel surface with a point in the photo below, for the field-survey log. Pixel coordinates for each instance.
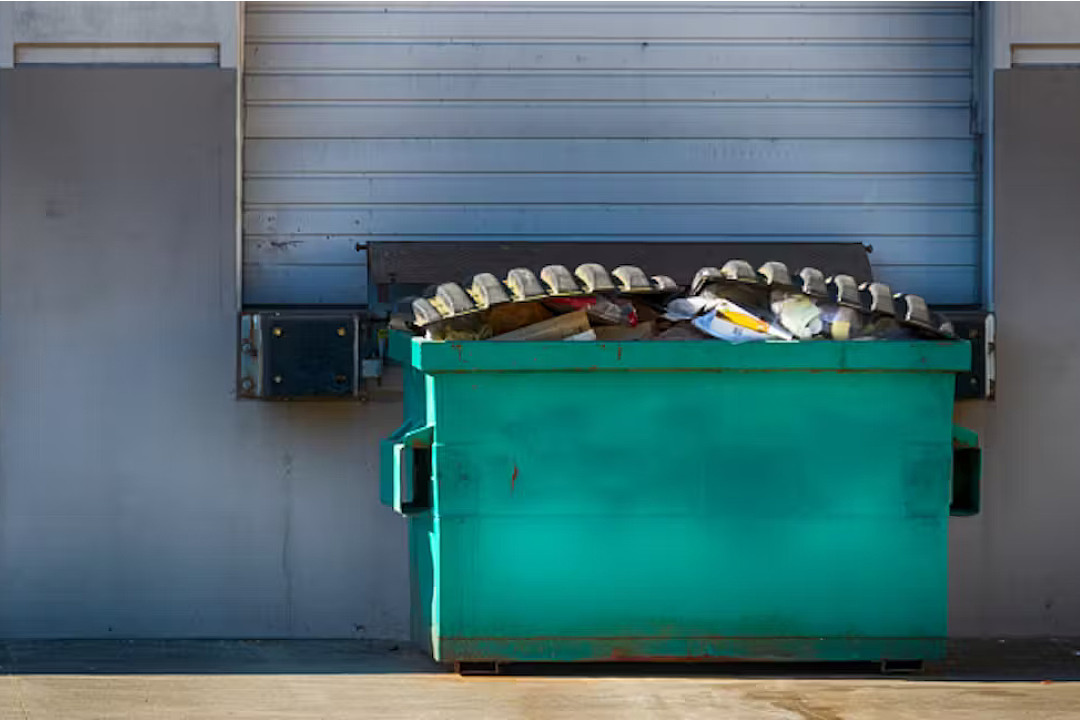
(680, 500)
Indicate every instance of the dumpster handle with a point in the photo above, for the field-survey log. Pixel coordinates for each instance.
(966, 473)
(412, 471)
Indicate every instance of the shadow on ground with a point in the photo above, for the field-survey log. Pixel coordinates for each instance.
(210, 657)
(1053, 660)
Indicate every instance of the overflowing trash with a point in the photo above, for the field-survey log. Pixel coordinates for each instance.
(734, 303)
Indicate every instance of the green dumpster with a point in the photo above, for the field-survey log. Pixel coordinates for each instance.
(586, 501)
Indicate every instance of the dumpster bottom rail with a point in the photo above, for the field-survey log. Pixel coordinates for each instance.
(486, 655)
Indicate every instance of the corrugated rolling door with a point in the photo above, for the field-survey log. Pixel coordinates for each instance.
(620, 122)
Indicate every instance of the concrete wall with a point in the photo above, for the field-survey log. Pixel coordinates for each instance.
(103, 29)
(1014, 567)
(1035, 33)
(1011, 568)
(138, 497)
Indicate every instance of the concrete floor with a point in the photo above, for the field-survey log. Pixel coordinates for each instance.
(293, 680)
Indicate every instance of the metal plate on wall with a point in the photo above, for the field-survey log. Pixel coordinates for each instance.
(978, 328)
(299, 355)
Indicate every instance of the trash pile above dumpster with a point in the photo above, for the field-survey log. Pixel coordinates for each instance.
(733, 303)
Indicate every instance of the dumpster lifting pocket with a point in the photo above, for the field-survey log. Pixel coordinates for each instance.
(411, 463)
(966, 472)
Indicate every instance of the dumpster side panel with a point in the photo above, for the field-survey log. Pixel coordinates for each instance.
(591, 515)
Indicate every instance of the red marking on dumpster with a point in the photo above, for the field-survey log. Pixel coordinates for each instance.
(513, 479)
(618, 354)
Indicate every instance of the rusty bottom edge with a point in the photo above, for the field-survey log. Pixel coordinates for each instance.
(697, 649)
